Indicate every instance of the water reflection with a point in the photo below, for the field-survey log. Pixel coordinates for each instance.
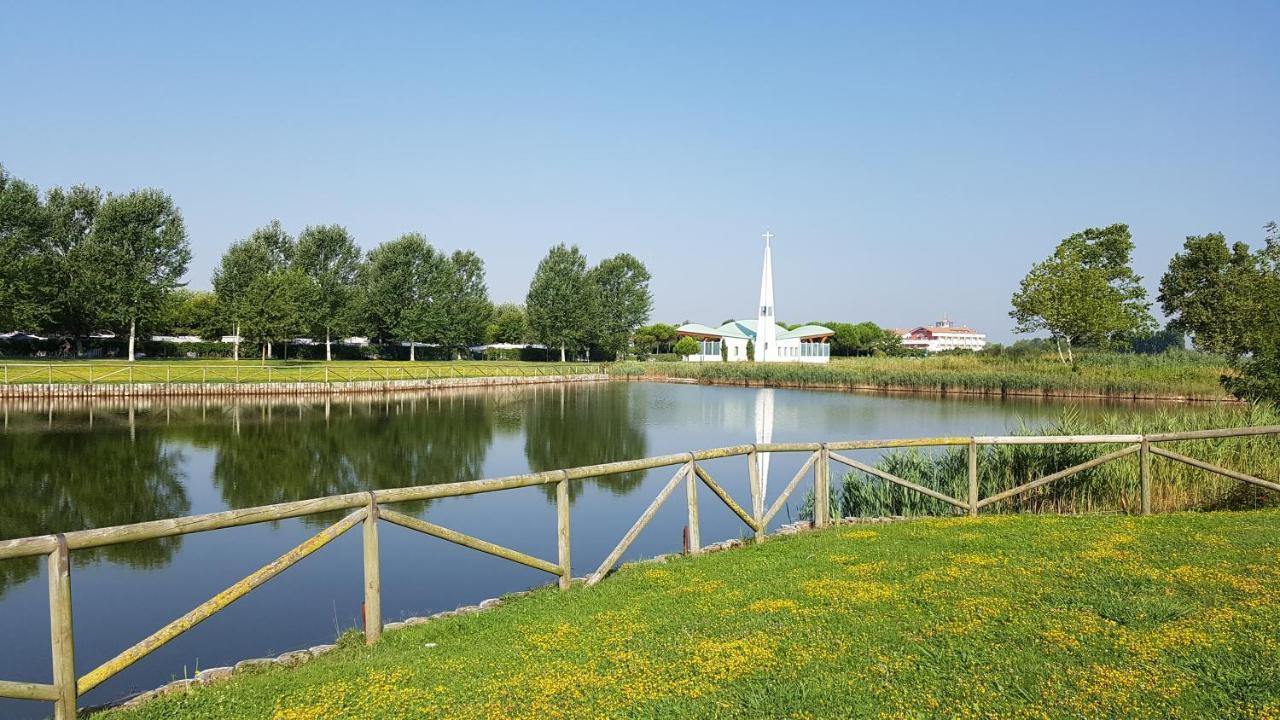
(568, 428)
(69, 465)
(60, 481)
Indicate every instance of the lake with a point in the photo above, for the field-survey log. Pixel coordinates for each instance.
(68, 466)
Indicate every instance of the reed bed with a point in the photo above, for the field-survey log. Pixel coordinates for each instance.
(1183, 375)
(1112, 487)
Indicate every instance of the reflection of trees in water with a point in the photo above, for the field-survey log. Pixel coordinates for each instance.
(278, 455)
(583, 425)
(64, 481)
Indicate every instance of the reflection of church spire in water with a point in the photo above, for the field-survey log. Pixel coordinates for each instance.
(764, 434)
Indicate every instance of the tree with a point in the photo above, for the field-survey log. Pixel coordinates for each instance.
(137, 254)
(464, 307)
(624, 301)
(686, 346)
(1208, 292)
(398, 284)
(330, 258)
(71, 216)
(1086, 292)
(507, 325)
(190, 312)
(23, 274)
(267, 250)
(562, 303)
(279, 306)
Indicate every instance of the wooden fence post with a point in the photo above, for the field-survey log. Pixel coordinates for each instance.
(1144, 458)
(63, 643)
(973, 477)
(757, 494)
(822, 489)
(372, 576)
(562, 531)
(695, 531)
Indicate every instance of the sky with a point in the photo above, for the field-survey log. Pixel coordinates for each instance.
(911, 159)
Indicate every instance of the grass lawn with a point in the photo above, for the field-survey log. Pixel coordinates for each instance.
(1180, 375)
(1003, 616)
(255, 371)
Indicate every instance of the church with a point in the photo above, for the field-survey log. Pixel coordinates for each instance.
(770, 342)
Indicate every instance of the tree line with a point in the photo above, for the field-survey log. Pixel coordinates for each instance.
(76, 261)
(1225, 297)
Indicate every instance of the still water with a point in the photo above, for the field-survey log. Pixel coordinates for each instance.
(71, 466)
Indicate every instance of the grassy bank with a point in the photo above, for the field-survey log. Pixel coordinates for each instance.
(1173, 376)
(1114, 486)
(107, 372)
(1002, 616)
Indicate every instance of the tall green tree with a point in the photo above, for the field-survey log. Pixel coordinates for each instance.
(464, 307)
(138, 253)
(399, 283)
(623, 300)
(562, 302)
(328, 255)
(1209, 292)
(279, 306)
(71, 216)
(269, 249)
(1085, 292)
(23, 270)
(191, 312)
(507, 325)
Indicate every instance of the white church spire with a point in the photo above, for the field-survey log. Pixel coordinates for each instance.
(766, 345)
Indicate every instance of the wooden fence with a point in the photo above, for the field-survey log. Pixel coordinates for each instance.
(367, 508)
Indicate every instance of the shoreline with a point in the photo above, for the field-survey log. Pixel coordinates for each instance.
(114, 390)
(1044, 394)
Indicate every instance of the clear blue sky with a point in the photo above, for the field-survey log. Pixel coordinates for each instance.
(911, 158)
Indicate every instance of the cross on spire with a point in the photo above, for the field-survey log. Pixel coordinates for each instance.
(767, 237)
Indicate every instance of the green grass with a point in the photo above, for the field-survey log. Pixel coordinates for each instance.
(1176, 375)
(1114, 486)
(1003, 616)
(108, 372)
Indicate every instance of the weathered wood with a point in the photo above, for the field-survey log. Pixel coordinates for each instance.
(1057, 439)
(695, 534)
(724, 496)
(61, 635)
(29, 691)
(872, 470)
(897, 443)
(1026, 487)
(151, 530)
(218, 602)
(1225, 472)
(1144, 473)
(822, 488)
(562, 533)
(781, 447)
(757, 493)
(372, 575)
(1220, 433)
(644, 519)
(457, 538)
(973, 478)
(786, 491)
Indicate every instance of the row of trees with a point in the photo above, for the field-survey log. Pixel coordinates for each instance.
(78, 259)
(1225, 297)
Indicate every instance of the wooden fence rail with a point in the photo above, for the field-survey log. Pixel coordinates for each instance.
(368, 508)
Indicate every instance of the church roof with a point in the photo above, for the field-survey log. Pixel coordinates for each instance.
(746, 329)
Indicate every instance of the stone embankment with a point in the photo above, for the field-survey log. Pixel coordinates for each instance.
(108, 390)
